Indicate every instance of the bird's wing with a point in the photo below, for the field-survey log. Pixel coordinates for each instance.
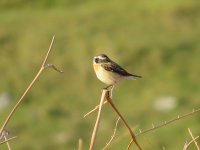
(114, 67)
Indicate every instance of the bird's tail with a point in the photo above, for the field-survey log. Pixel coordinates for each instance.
(133, 76)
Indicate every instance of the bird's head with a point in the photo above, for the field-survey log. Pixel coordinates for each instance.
(102, 58)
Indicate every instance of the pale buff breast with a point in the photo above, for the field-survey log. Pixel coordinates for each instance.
(105, 76)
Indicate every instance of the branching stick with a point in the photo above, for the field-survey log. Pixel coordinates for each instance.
(124, 121)
(94, 133)
(165, 123)
(43, 66)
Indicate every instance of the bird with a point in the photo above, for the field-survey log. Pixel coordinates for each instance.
(109, 72)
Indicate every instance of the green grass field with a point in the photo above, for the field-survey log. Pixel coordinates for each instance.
(156, 39)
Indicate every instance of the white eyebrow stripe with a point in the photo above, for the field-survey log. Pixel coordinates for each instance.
(101, 57)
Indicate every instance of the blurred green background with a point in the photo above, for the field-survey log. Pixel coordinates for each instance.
(156, 39)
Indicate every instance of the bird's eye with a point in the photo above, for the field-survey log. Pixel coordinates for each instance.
(96, 60)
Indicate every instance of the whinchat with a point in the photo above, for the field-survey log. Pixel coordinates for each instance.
(110, 72)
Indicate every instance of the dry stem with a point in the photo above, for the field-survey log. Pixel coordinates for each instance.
(94, 133)
(187, 145)
(94, 109)
(7, 143)
(8, 139)
(193, 139)
(43, 66)
(165, 123)
(124, 121)
(97, 107)
(112, 137)
(168, 122)
(80, 144)
(4, 136)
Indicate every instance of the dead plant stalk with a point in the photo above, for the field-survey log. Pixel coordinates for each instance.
(124, 121)
(43, 66)
(94, 133)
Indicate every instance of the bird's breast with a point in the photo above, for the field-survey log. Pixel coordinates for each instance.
(96, 67)
(105, 76)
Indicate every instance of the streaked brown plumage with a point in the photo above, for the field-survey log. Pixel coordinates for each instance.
(110, 72)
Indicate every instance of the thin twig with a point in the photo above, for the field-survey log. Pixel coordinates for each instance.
(124, 121)
(97, 107)
(8, 139)
(112, 137)
(4, 136)
(53, 67)
(187, 145)
(7, 143)
(91, 111)
(28, 88)
(4, 133)
(80, 144)
(165, 123)
(193, 138)
(94, 133)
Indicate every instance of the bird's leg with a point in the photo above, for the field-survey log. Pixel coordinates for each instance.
(110, 88)
(111, 91)
(107, 87)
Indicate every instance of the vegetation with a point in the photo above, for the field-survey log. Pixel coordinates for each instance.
(156, 39)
